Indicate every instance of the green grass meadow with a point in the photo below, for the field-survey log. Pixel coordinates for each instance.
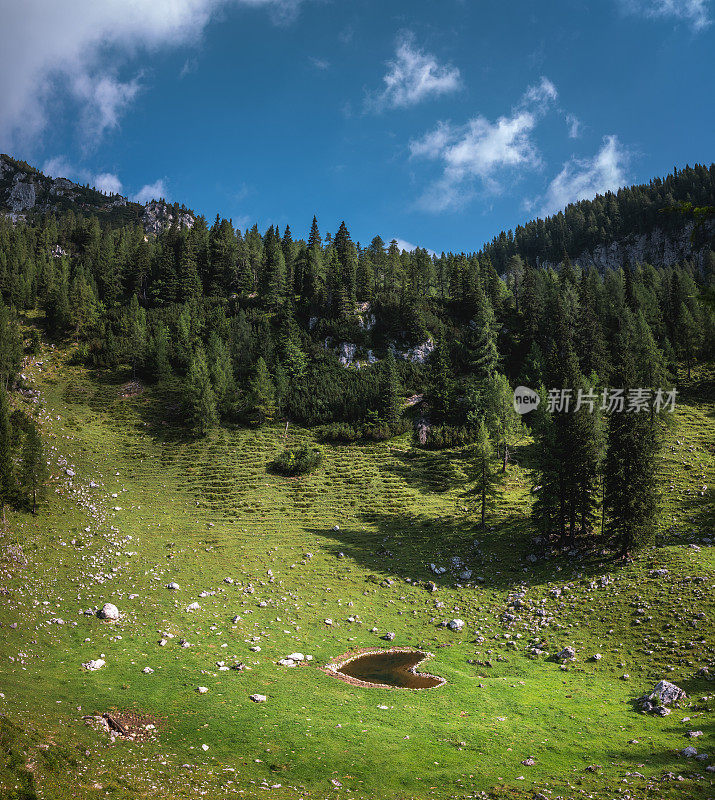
(198, 511)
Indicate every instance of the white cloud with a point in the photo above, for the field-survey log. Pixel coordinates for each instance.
(103, 98)
(582, 179)
(405, 245)
(319, 63)
(477, 150)
(46, 46)
(151, 191)
(693, 12)
(574, 125)
(108, 183)
(412, 77)
(60, 167)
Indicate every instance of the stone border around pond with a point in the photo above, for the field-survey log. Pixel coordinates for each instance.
(338, 662)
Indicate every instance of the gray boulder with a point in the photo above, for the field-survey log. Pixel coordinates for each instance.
(108, 611)
(664, 694)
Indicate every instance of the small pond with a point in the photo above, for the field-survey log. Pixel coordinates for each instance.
(391, 668)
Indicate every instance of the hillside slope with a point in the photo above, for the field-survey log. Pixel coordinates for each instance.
(325, 564)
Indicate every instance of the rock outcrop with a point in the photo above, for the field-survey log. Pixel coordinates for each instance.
(657, 247)
(25, 190)
(158, 215)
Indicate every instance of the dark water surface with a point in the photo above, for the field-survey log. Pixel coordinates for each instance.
(393, 669)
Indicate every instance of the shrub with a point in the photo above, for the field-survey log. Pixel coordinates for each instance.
(438, 437)
(346, 433)
(298, 460)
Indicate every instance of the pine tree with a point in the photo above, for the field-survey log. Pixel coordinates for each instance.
(484, 479)
(688, 336)
(200, 395)
(440, 380)
(389, 399)
(503, 422)
(10, 347)
(262, 393)
(136, 334)
(347, 257)
(630, 491)
(158, 354)
(289, 255)
(273, 276)
(515, 270)
(220, 372)
(481, 350)
(7, 475)
(34, 466)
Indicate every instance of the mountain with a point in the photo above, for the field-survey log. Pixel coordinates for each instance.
(26, 192)
(636, 224)
(657, 223)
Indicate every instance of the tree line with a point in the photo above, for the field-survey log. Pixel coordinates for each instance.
(245, 327)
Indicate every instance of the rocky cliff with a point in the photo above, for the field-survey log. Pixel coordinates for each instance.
(656, 247)
(25, 191)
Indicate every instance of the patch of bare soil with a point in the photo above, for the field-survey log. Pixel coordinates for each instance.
(131, 725)
(132, 389)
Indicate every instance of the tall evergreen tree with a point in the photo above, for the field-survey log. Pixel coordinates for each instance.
(630, 495)
(34, 466)
(484, 479)
(7, 473)
(389, 399)
(200, 394)
(262, 393)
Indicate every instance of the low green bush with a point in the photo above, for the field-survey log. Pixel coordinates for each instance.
(298, 460)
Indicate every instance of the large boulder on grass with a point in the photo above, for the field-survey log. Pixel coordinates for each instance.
(108, 611)
(664, 694)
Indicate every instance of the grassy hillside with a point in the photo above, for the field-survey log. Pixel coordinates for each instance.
(147, 505)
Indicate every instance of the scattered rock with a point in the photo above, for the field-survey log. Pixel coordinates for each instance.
(664, 694)
(108, 611)
(258, 698)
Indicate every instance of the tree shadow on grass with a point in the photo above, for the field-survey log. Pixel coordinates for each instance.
(405, 545)
(672, 761)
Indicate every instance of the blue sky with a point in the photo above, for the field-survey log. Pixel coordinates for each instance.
(438, 123)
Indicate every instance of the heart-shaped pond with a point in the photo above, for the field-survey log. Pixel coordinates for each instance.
(387, 668)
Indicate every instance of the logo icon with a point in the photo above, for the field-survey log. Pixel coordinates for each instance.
(525, 400)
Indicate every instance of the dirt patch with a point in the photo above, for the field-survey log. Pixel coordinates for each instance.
(131, 725)
(132, 389)
(335, 665)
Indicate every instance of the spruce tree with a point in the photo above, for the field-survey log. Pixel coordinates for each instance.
(262, 393)
(389, 399)
(440, 380)
(10, 347)
(158, 354)
(484, 479)
(273, 276)
(7, 474)
(200, 394)
(503, 422)
(481, 351)
(630, 470)
(34, 466)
